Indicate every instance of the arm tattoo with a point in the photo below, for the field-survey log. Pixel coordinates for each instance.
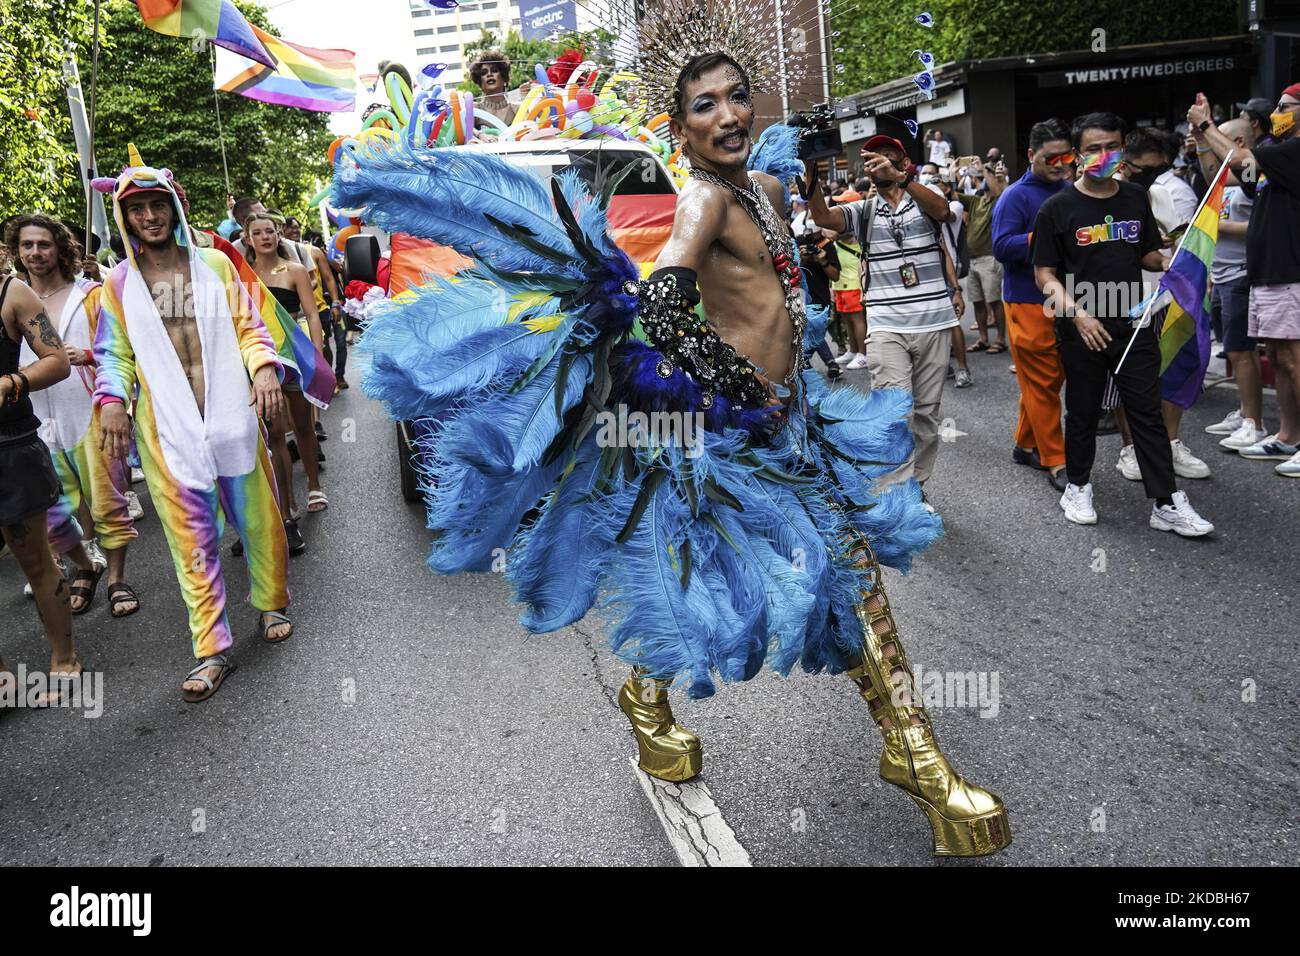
(41, 326)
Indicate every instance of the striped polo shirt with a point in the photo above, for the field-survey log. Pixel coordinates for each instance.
(925, 307)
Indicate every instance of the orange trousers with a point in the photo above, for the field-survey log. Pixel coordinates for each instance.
(1038, 368)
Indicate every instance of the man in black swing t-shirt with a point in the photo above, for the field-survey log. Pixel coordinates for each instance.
(1090, 245)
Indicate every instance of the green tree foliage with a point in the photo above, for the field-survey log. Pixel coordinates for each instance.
(156, 91)
(877, 37)
(524, 55)
(38, 159)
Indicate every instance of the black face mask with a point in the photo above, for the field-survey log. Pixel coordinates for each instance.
(1146, 177)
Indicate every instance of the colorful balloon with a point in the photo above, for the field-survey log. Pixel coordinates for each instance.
(343, 235)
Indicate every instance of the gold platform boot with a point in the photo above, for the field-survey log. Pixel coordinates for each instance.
(967, 820)
(668, 750)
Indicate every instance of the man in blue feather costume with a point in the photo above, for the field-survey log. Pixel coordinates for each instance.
(757, 540)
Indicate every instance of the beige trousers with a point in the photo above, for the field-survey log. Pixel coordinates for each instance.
(918, 362)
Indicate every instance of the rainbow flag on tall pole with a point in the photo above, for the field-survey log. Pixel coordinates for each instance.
(1185, 331)
(305, 77)
(216, 21)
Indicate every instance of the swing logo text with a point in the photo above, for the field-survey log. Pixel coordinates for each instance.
(1128, 230)
(76, 909)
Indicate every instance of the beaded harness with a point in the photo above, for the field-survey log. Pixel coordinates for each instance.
(688, 342)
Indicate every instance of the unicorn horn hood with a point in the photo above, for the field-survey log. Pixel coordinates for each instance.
(135, 178)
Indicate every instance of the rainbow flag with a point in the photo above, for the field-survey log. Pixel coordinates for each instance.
(307, 78)
(1185, 332)
(303, 363)
(217, 21)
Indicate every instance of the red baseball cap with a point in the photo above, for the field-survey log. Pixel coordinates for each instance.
(880, 140)
(133, 188)
(1292, 90)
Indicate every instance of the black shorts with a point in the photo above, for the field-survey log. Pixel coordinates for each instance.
(28, 484)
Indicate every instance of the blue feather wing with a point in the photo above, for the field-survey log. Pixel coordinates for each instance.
(777, 154)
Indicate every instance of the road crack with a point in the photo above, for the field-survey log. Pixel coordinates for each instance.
(589, 641)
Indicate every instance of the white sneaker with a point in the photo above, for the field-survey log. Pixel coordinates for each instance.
(1180, 518)
(94, 552)
(859, 362)
(1270, 448)
(1077, 504)
(133, 506)
(1228, 425)
(1290, 468)
(1187, 465)
(844, 358)
(1128, 464)
(1247, 433)
(137, 476)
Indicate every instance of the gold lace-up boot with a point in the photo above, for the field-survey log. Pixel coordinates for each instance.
(668, 750)
(967, 820)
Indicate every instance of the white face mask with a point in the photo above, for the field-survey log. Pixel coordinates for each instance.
(928, 179)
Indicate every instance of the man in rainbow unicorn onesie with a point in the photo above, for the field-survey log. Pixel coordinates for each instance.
(176, 322)
(756, 537)
(51, 257)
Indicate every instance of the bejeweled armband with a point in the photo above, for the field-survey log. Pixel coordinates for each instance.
(667, 308)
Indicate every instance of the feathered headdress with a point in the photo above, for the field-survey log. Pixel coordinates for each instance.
(674, 31)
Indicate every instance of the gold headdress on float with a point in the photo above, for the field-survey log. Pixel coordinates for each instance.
(672, 32)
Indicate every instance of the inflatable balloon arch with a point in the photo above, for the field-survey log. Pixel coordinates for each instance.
(574, 109)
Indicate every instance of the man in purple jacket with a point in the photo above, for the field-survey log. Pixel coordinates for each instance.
(1039, 441)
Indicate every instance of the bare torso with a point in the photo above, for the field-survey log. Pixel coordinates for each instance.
(742, 295)
(173, 295)
(55, 304)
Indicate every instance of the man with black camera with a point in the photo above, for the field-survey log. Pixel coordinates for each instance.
(910, 286)
(821, 266)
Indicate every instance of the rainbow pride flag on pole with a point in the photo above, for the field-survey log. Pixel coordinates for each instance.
(307, 78)
(217, 21)
(1185, 332)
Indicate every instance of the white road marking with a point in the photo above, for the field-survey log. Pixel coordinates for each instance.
(694, 824)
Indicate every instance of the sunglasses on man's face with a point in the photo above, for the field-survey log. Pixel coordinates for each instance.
(1060, 159)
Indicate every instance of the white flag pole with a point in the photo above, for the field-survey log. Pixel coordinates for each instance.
(1146, 313)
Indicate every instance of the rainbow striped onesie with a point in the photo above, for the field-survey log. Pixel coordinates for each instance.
(217, 472)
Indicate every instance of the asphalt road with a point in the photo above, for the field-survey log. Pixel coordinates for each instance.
(410, 719)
